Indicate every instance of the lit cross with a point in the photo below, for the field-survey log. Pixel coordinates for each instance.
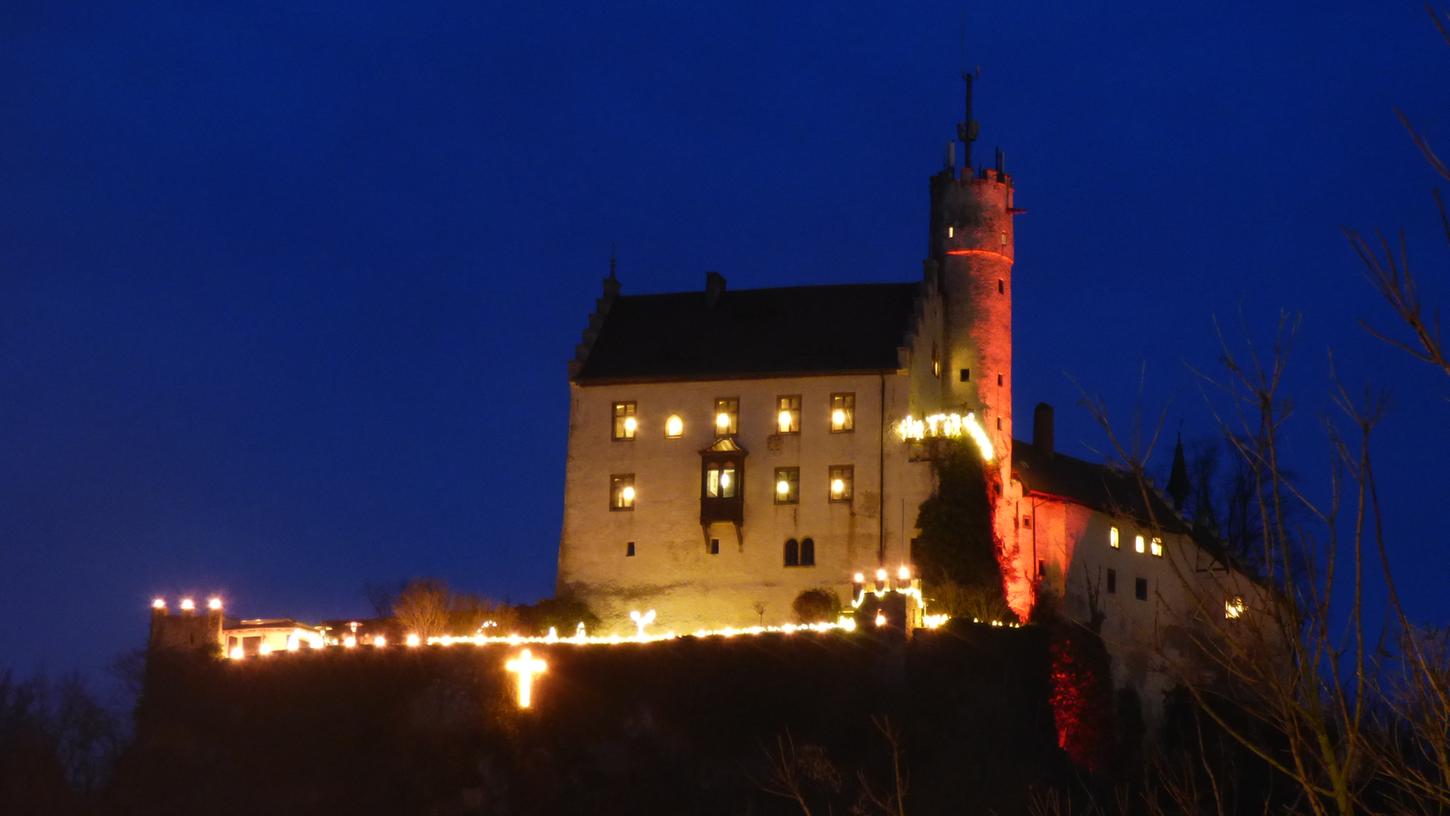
(526, 666)
(641, 621)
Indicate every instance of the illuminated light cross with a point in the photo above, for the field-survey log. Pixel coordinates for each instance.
(641, 621)
(526, 666)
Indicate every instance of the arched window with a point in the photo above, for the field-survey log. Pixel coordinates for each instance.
(792, 553)
(808, 552)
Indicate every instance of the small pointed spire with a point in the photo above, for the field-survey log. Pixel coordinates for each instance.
(968, 128)
(1178, 486)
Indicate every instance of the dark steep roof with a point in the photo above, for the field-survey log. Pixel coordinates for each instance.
(1097, 486)
(763, 332)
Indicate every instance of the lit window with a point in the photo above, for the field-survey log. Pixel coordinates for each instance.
(720, 481)
(788, 414)
(1140, 588)
(625, 421)
(787, 485)
(1113, 537)
(1112, 582)
(792, 553)
(629, 550)
(935, 361)
(621, 491)
(727, 416)
(840, 481)
(843, 412)
(1234, 608)
(674, 427)
(1156, 547)
(1139, 545)
(951, 231)
(808, 552)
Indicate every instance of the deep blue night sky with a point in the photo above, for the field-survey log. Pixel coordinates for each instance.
(287, 291)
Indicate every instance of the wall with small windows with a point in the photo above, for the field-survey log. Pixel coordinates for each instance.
(813, 461)
(1148, 600)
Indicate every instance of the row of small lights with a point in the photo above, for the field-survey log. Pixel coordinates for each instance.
(949, 426)
(187, 604)
(785, 422)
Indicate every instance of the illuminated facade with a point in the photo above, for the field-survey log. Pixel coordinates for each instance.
(731, 449)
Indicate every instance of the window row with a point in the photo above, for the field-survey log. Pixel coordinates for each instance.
(1140, 544)
(1140, 585)
(722, 481)
(800, 553)
(841, 418)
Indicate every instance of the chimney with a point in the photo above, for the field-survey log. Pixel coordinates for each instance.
(1042, 428)
(714, 288)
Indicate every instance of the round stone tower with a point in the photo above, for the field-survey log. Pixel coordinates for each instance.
(972, 246)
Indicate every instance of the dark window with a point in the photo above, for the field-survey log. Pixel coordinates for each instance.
(1041, 568)
(714, 546)
(1001, 287)
(965, 375)
(621, 491)
(999, 423)
(788, 414)
(935, 362)
(792, 553)
(787, 485)
(629, 550)
(625, 422)
(1112, 582)
(999, 379)
(727, 416)
(843, 412)
(840, 482)
(1027, 522)
(808, 552)
(1140, 589)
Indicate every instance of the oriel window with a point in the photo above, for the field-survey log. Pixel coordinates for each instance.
(621, 491)
(727, 416)
(787, 485)
(843, 412)
(625, 421)
(788, 414)
(841, 479)
(721, 481)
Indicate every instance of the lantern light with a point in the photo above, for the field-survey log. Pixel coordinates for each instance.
(859, 577)
(158, 603)
(784, 421)
(627, 493)
(838, 418)
(187, 604)
(722, 421)
(904, 573)
(236, 653)
(838, 487)
(782, 488)
(526, 666)
(214, 603)
(881, 574)
(413, 639)
(349, 642)
(630, 425)
(880, 619)
(380, 641)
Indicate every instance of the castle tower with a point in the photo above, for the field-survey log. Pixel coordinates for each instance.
(972, 246)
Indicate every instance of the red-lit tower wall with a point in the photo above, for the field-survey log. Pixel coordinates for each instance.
(972, 244)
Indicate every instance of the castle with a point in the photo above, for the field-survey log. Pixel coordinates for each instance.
(731, 449)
